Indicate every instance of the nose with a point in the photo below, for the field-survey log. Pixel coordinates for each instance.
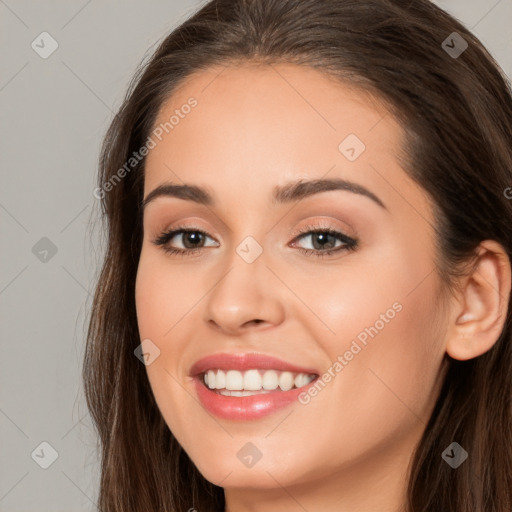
(245, 296)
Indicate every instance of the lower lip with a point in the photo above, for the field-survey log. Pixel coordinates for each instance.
(246, 407)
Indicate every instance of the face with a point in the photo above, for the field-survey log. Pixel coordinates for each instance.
(279, 284)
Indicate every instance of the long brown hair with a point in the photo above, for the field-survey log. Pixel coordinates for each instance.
(456, 112)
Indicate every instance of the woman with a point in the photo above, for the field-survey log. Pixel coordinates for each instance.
(305, 300)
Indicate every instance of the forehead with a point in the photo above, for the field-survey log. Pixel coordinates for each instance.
(256, 126)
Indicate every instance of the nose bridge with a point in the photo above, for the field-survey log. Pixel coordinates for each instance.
(243, 293)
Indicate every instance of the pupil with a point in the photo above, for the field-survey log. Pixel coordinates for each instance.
(194, 236)
(324, 237)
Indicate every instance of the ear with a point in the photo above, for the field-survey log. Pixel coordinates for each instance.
(480, 314)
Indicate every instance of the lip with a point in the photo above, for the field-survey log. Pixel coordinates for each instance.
(246, 408)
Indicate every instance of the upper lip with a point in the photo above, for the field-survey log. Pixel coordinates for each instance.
(245, 361)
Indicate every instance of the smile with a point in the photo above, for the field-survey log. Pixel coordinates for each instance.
(248, 386)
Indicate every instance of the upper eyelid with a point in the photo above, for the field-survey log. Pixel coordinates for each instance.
(322, 223)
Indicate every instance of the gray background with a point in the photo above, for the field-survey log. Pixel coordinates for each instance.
(54, 114)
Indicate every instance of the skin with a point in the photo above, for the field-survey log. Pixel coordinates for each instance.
(256, 127)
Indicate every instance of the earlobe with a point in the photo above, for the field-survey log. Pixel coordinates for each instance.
(466, 317)
(482, 309)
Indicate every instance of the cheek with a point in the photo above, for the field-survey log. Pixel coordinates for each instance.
(163, 296)
(394, 351)
(162, 299)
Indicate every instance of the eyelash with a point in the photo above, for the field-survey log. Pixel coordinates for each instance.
(350, 243)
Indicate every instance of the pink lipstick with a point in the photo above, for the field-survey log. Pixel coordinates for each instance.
(248, 386)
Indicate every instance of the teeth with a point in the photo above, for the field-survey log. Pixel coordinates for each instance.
(226, 392)
(270, 380)
(252, 380)
(211, 379)
(235, 383)
(234, 380)
(220, 380)
(286, 381)
(301, 380)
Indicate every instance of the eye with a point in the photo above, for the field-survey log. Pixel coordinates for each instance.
(192, 240)
(324, 240)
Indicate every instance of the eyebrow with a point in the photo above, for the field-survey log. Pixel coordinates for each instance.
(281, 194)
